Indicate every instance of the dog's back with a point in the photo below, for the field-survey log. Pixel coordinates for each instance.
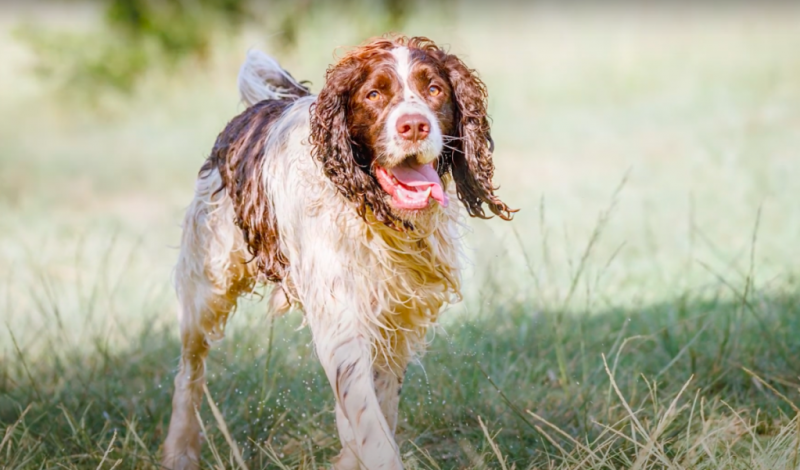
(268, 91)
(229, 240)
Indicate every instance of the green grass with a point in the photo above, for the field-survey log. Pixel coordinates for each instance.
(642, 311)
(501, 367)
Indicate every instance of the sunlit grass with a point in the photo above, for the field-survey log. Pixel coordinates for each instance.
(640, 312)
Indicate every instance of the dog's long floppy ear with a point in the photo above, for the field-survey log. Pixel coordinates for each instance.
(332, 144)
(472, 163)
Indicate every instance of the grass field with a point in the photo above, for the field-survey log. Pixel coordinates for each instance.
(642, 310)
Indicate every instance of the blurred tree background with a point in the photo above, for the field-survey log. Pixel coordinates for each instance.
(138, 36)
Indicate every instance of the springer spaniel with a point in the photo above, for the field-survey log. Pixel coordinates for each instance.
(345, 202)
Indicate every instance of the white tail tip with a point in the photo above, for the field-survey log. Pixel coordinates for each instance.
(262, 78)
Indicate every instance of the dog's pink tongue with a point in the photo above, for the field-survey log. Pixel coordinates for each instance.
(422, 177)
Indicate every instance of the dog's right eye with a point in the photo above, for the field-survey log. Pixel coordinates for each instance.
(373, 95)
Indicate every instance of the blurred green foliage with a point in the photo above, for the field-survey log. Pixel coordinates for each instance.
(179, 28)
(137, 36)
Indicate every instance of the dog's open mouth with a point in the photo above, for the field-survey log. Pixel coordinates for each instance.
(411, 185)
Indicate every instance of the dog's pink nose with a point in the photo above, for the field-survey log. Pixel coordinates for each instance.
(413, 127)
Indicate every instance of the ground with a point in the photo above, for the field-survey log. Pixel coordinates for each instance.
(641, 311)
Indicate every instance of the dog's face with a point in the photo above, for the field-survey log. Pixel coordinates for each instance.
(400, 117)
(396, 120)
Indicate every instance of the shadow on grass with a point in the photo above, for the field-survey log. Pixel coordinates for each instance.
(115, 401)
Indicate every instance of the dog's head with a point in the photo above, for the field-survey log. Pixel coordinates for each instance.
(396, 120)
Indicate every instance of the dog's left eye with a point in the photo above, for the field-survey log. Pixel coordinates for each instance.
(373, 95)
(434, 90)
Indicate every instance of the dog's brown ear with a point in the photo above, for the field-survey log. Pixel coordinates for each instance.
(331, 141)
(471, 159)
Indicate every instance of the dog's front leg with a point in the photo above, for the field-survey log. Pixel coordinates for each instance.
(365, 434)
(388, 375)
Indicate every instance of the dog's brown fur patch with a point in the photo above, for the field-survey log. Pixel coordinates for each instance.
(238, 155)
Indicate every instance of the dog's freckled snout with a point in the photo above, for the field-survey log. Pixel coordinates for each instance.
(413, 127)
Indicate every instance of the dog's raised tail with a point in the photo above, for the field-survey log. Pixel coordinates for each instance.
(262, 78)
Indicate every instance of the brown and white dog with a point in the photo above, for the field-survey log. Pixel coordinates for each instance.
(346, 202)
